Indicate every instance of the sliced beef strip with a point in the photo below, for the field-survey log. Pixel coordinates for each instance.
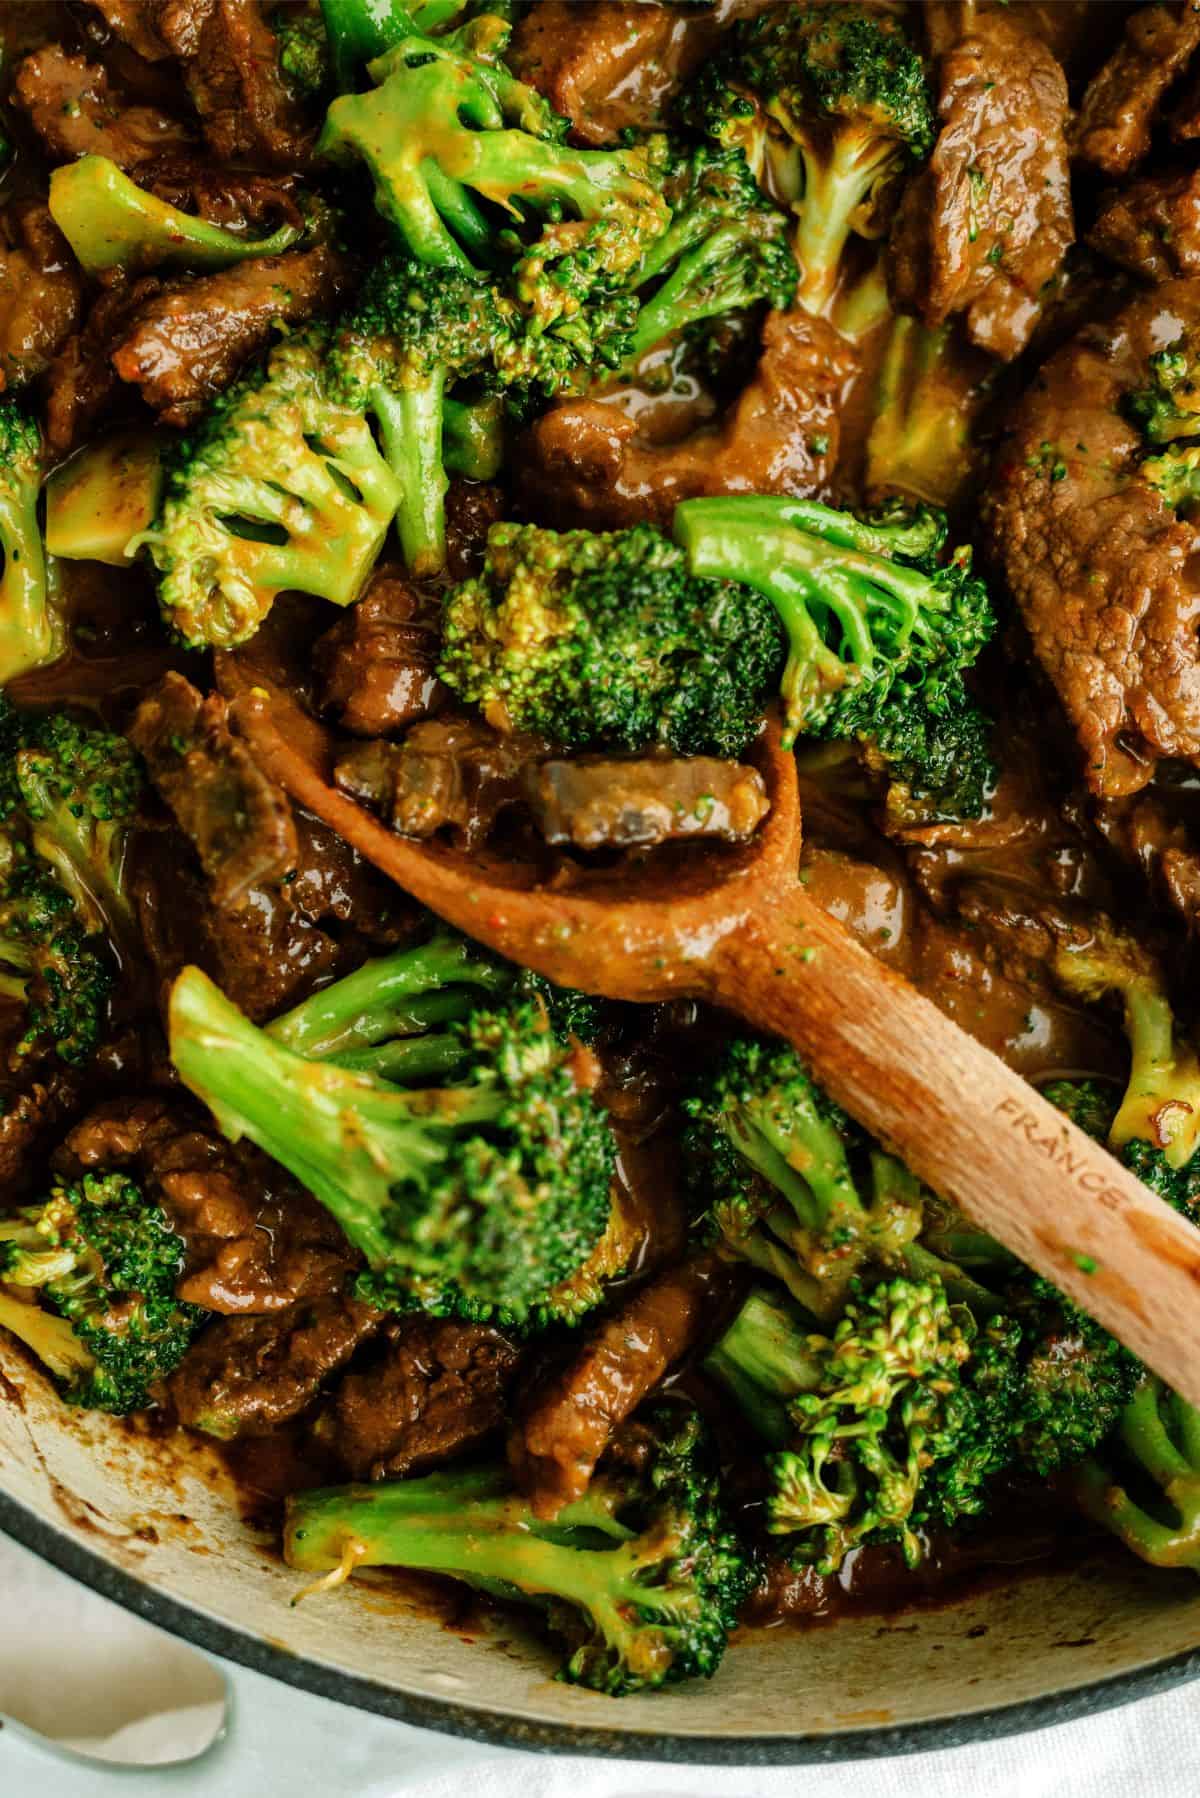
(377, 667)
(1152, 227)
(610, 65)
(1119, 108)
(135, 23)
(31, 1110)
(1068, 28)
(1185, 115)
(1154, 833)
(180, 341)
(1102, 569)
(598, 802)
(565, 1421)
(184, 344)
(333, 882)
(588, 465)
(256, 1241)
(81, 384)
(449, 773)
(231, 69)
(987, 222)
(264, 956)
(284, 939)
(75, 112)
(239, 821)
(244, 203)
(245, 1376)
(39, 292)
(437, 1391)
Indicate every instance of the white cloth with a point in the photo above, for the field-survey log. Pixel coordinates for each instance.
(282, 1742)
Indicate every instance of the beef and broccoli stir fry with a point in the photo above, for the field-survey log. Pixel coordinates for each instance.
(533, 400)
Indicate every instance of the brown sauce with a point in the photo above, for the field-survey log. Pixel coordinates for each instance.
(955, 912)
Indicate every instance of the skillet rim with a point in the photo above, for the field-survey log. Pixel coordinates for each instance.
(502, 1730)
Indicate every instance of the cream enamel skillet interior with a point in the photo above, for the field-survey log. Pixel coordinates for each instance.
(155, 1530)
(874, 327)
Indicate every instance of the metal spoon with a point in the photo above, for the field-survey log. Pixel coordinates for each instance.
(94, 1684)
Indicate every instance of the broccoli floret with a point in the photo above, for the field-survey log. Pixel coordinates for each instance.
(1145, 1487)
(1090, 1104)
(68, 793)
(831, 105)
(496, 1183)
(1074, 1378)
(931, 745)
(414, 333)
(79, 789)
(102, 1262)
(279, 487)
(572, 1014)
(902, 1415)
(642, 1576)
(112, 223)
(783, 1179)
(882, 1407)
(1157, 1123)
(302, 48)
(860, 618)
(1168, 407)
(605, 640)
(31, 630)
(60, 973)
(725, 248)
(448, 129)
(1175, 474)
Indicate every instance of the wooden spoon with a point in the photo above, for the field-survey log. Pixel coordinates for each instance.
(736, 928)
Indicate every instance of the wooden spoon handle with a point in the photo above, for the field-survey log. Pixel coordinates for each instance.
(972, 1129)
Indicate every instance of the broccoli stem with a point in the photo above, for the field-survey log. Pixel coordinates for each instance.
(457, 207)
(28, 633)
(473, 438)
(695, 288)
(410, 1057)
(1162, 1102)
(914, 536)
(834, 190)
(470, 1526)
(410, 427)
(1161, 1433)
(764, 1360)
(764, 543)
(862, 308)
(393, 995)
(49, 1337)
(501, 163)
(111, 223)
(361, 30)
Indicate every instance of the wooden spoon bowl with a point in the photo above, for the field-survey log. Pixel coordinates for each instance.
(735, 927)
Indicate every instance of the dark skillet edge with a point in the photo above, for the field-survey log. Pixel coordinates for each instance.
(499, 1730)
